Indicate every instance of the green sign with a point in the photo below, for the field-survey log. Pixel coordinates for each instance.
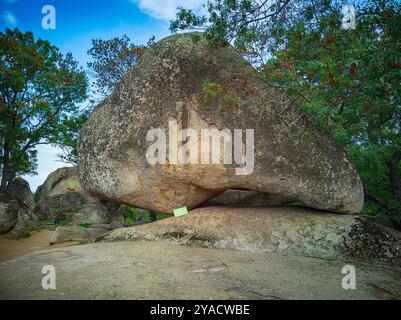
(180, 211)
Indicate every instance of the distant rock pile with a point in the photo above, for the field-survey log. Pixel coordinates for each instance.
(59, 203)
(61, 197)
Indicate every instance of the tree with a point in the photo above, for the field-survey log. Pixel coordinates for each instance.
(111, 61)
(68, 136)
(349, 81)
(40, 92)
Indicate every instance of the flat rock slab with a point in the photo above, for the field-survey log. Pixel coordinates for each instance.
(286, 230)
(159, 270)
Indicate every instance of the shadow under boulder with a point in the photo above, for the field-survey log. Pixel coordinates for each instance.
(233, 197)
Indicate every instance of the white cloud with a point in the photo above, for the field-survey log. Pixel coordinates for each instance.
(166, 9)
(9, 18)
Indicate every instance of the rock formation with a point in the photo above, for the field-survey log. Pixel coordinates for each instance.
(17, 208)
(182, 80)
(20, 189)
(61, 197)
(285, 230)
(8, 212)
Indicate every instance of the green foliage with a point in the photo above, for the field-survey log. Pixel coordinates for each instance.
(349, 81)
(25, 234)
(211, 91)
(132, 215)
(40, 92)
(214, 92)
(46, 222)
(296, 203)
(62, 222)
(68, 135)
(111, 61)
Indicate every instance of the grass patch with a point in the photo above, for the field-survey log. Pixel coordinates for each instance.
(62, 222)
(25, 234)
(48, 223)
(295, 203)
(132, 215)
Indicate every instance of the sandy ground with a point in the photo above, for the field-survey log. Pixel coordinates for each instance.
(160, 270)
(11, 248)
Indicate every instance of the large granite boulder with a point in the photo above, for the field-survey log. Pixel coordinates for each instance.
(286, 230)
(183, 83)
(61, 197)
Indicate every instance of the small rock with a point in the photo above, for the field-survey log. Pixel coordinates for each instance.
(76, 233)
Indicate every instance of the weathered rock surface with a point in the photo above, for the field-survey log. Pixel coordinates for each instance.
(294, 159)
(26, 220)
(20, 189)
(76, 233)
(15, 215)
(61, 197)
(286, 230)
(160, 270)
(8, 212)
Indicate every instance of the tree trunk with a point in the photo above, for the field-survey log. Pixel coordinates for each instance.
(6, 166)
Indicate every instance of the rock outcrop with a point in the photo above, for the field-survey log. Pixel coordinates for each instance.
(8, 212)
(16, 209)
(61, 197)
(183, 81)
(20, 189)
(285, 230)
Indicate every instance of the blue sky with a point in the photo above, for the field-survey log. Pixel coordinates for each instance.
(77, 22)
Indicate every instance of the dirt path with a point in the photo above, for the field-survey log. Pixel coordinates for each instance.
(11, 248)
(159, 270)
